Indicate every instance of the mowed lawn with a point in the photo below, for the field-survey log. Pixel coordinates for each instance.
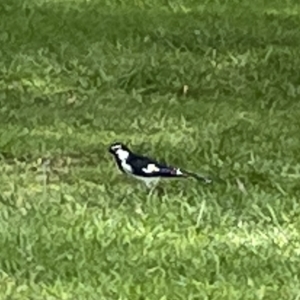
(209, 86)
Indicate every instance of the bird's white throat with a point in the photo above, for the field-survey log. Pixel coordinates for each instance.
(122, 154)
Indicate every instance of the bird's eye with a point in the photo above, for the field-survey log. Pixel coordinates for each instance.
(116, 147)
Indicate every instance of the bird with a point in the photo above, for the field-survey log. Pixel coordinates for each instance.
(145, 168)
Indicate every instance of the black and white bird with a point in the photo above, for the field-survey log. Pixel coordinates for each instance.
(145, 168)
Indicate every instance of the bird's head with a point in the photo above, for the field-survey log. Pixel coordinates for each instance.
(119, 150)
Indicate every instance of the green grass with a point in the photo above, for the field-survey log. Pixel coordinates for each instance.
(78, 75)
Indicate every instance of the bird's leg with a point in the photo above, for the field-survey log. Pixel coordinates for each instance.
(152, 185)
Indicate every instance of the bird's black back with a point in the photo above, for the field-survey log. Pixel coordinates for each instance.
(138, 162)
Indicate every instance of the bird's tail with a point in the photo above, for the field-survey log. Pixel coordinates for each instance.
(198, 177)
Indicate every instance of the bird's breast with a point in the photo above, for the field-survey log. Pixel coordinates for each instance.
(126, 167)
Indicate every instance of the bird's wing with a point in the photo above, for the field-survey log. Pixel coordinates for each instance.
(148, 167)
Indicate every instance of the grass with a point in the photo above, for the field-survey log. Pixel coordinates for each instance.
(78, 75)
